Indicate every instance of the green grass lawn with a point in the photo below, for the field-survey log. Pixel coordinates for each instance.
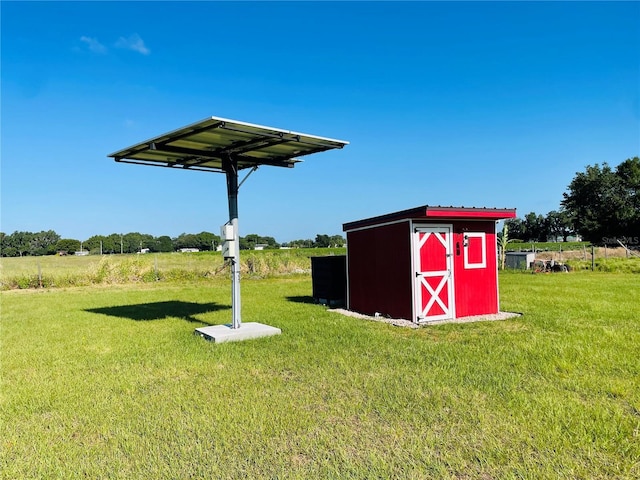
(111, 382)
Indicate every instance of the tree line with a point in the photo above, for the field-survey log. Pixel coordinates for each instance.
(601, 205)
(18, 244)
(554, 226)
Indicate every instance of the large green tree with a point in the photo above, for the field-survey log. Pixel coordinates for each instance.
(629, 215)
(164, 244)
(604, 203)
(29, 243)
(535, 227)
(68, 245)
(207, 241)
(515, 226)
(250, 241)
(21, 241)
(43, 243)
(133, 242)
(322, 241)
(559, 224)
(96, 243)
(301, 243)
(336, 241)
(186, 240)
(115, 244)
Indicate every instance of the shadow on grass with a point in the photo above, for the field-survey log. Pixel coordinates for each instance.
(302, 299)
(311, 300)
(159, 310)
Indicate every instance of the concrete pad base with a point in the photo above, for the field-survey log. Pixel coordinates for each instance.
(247, 331)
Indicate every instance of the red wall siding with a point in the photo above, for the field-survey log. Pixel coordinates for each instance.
(379, 270)
(476, 288)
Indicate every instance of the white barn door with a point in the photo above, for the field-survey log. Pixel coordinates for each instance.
(433, 266)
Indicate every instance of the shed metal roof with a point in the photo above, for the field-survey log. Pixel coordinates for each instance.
(437, 213)
(205, 144)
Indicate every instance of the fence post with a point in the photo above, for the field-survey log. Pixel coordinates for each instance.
(593, 258)
(155, 266)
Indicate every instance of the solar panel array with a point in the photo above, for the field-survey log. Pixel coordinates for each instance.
(205, 145)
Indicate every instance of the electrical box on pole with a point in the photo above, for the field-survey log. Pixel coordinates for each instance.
(227, 235)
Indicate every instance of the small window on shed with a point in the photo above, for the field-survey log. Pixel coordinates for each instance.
(475, 251)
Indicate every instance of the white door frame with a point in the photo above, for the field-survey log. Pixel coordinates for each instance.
(447, 275)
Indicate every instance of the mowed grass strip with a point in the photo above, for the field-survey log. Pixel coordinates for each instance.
(112, 383)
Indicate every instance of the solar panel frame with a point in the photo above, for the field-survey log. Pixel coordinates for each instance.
(206, 144)
(221, 145)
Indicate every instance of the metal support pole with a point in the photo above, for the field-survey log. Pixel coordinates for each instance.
(230, 166)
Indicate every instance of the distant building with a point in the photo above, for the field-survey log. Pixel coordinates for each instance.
(82, 253)
(570, 238)
(144, 250)
(189, 250)
(519, 260)
(260, 246)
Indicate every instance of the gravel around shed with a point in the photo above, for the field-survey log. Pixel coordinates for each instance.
(398, 322)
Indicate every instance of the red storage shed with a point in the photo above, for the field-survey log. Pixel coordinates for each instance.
(425, 264)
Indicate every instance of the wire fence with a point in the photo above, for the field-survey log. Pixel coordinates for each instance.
(588, 257)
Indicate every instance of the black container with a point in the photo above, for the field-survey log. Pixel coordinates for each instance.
(329, 279)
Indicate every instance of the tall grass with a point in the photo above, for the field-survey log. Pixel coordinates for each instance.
(611, 265)
(53, 271)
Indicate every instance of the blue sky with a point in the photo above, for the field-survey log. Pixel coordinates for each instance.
(468, 104)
